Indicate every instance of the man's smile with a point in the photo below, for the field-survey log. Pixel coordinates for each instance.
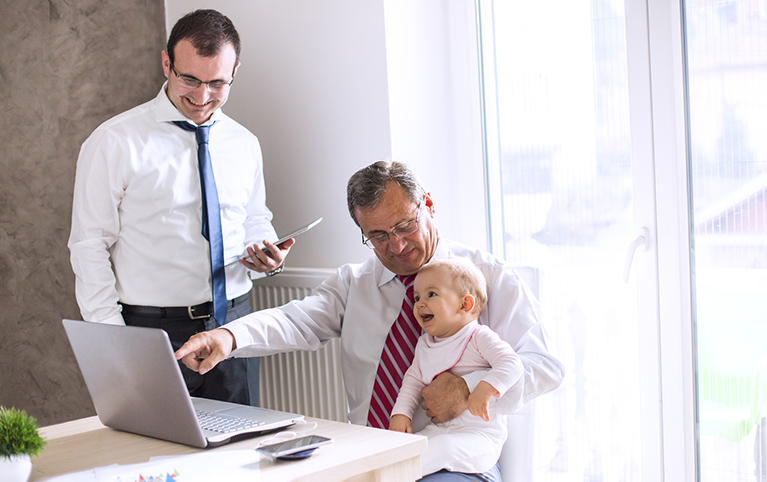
(195, 103)
(405, 254)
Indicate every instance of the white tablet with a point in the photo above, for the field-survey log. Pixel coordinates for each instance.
(295, 233)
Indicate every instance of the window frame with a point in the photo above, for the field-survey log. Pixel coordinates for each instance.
(660, 163)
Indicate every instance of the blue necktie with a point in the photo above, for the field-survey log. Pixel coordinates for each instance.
(211, 219)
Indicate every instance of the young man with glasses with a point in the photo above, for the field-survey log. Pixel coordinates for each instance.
(165, 195)
(364, 304)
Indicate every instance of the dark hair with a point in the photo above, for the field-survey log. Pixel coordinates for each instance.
(367, 185)
(208, 30)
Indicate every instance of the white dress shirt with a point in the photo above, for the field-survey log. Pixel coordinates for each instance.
(137, 212)
(361, 302)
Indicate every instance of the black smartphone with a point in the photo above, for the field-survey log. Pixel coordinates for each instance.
(294, 447)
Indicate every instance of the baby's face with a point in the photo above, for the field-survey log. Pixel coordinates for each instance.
(438, 305)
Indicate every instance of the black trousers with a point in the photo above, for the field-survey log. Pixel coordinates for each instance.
(232, 380)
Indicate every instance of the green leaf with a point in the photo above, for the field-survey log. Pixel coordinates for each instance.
(18, 433)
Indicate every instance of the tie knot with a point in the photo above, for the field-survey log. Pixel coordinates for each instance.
(201, 132)
(407, 280)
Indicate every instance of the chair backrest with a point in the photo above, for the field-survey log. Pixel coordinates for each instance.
(532, 278)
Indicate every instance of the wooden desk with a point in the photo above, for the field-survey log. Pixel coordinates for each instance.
(356, 454)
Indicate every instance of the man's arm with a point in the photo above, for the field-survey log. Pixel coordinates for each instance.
(95, 226)
(299, 325)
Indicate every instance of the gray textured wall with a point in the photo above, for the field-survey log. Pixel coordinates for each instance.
(65, 67)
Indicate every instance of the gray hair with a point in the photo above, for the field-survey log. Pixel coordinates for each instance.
(366, 186)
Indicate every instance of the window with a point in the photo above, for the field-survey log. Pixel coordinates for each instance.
(557, 90)
(596, 127)
(727, 74)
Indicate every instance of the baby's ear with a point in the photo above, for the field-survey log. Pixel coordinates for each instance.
(468, 303)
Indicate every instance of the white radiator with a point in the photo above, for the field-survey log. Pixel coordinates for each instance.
(309, 383)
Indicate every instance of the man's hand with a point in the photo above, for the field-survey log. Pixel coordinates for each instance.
(268, 259)
(445, 398)
(400, 423)
(207, 349)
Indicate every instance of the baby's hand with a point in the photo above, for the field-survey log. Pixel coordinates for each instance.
(400, 423)
(479, 400)
(480, 408)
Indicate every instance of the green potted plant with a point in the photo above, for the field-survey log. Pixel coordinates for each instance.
(18, 441)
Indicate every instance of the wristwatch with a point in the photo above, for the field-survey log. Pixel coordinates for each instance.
(276, 271)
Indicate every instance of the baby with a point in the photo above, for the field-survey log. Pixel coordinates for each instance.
(449, 297)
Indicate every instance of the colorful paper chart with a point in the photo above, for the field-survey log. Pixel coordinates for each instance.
(167, 477)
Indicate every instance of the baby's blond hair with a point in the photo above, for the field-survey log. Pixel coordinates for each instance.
(466, 277)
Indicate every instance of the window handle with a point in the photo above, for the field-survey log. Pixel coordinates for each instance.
(643, 241)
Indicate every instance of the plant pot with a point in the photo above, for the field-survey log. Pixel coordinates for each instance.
(16, 468)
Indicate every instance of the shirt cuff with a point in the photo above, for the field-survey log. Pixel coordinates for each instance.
(114, 320)
(242, 339)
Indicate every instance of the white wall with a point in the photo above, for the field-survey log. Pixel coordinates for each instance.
(434, 102)
(331, 86)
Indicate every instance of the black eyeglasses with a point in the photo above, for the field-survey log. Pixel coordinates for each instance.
(191, 83)
(400, 230)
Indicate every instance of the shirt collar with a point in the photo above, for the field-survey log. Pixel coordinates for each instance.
(167, 112)
(442, 251)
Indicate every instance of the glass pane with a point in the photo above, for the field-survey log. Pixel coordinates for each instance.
(560, 89)
(727, 77)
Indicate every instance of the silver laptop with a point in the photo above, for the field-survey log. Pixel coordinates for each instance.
(136, 386)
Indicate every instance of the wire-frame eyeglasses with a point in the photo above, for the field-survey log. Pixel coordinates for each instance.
(400, 230)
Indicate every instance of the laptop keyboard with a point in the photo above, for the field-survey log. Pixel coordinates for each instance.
(217, 423)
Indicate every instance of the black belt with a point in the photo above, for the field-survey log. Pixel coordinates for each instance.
(203, 310)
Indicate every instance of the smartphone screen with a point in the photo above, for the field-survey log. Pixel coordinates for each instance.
(293, 446)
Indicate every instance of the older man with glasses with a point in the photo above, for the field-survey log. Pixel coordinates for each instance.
(166, 194)
(369, 306)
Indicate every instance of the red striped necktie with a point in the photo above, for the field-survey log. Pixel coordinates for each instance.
(396, 357)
